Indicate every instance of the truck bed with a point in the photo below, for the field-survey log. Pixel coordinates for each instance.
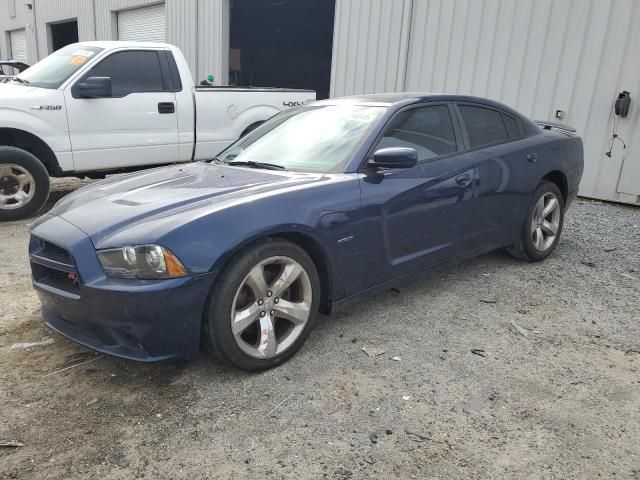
(233, 88)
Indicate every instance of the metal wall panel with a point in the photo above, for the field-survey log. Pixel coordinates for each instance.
(537, 56)
(182, 30)
(213, 40)
(369, 46)
(630, 131)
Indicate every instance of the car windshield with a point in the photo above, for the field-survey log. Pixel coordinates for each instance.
(309, 139)
(53, 71)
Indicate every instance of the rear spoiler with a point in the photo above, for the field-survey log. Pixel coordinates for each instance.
(558, 126)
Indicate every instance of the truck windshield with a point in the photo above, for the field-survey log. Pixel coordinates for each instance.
(52, 71)
(309, 139)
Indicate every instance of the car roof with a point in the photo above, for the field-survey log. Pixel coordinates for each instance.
(407, 98)
(111, 44)
(402, 99)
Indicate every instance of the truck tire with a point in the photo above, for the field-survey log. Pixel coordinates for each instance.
(24, 184)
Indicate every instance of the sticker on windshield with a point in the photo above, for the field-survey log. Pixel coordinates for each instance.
(83, 53)
(78, 60)
(80, 57)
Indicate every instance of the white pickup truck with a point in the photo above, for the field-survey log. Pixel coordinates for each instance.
(103, 107)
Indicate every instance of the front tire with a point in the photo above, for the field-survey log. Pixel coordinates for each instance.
(543, 225)
(263, 306)
(24, 184)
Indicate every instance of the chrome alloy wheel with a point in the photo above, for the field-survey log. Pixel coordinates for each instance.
(271, 307)
(17, 186)
(545, 222)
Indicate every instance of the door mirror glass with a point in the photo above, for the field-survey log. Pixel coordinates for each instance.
(394, 157)
(94, 87)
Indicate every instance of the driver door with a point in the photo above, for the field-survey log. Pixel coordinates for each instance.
(419, 216)
(137, 125)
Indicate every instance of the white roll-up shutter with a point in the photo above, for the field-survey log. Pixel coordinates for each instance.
(142, 24)
(18, 40)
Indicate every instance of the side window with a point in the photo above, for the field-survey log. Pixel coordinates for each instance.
(175, 74)
(429, 130)
(484, 126)
(131, 72)
(513, 129)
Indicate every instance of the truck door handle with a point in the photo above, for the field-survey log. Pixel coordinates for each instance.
(464, 179)
(532, 157)
(166, 107)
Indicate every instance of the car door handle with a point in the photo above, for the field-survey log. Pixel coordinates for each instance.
(532, 157)
(166, 107)
(464, 179)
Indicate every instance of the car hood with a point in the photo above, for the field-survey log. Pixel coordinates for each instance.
(107, 207)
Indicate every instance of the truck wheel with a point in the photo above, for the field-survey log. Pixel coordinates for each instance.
(24, 184)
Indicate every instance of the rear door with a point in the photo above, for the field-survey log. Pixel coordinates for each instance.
(419, 216)
(494, 138)
(138, 125)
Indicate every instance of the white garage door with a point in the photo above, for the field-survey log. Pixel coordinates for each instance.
(18, 41)
(142, 24)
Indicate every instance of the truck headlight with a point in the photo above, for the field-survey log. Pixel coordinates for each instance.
(141, 261)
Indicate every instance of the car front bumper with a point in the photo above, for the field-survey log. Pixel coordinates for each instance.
(144, 320)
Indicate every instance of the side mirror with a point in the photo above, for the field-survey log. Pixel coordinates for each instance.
(94, 87)
(394, 157)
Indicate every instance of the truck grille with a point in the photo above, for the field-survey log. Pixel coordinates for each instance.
(53, 268)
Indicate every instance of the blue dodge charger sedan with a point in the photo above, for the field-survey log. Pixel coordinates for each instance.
(315, 207)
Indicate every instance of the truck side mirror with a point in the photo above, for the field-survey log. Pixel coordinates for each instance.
(94, 87)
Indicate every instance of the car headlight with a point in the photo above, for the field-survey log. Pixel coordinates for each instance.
(141, 261)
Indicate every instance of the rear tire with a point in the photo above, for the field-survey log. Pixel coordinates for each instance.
(24, 184)
(254, 321)
(542, 226)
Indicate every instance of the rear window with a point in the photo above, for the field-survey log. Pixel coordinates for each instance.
(513, 129)
(484, 126)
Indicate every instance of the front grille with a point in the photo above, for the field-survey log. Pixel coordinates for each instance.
(56, 253)
(53, 267)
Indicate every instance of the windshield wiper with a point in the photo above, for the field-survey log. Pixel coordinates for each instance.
(20, 80)
(212, 160)
(252, 164)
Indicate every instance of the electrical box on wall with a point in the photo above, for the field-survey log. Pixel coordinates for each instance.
(623, 102)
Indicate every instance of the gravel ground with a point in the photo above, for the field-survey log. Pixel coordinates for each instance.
(554, 393)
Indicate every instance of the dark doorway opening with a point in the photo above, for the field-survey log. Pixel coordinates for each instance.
(63, 34)
(282, 43)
